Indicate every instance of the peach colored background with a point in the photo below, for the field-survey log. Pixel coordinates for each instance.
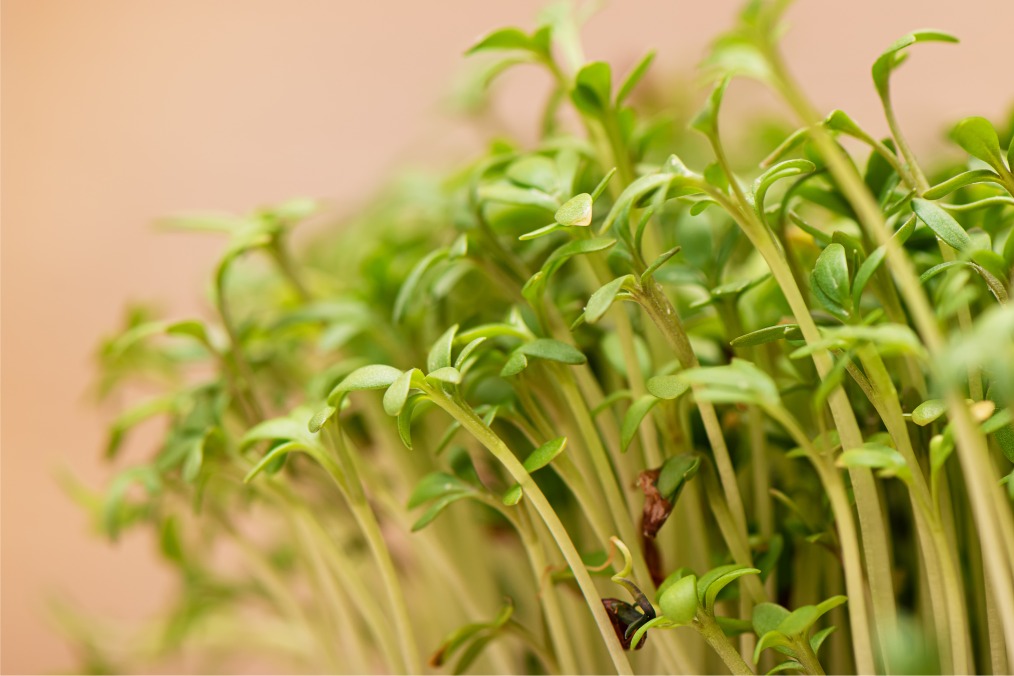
(118, 111)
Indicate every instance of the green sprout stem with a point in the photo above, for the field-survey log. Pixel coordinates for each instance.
(471, 422)
(993, 518)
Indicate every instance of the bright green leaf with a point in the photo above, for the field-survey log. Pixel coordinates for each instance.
(942, 224)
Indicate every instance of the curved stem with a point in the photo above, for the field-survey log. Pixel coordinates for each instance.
(992, 514)
(550, 599)
(719, 642)
(471, 422)
(847, 535)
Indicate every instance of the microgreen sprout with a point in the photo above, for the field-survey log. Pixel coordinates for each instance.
(594, 358)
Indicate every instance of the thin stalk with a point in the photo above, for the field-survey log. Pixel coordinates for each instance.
(707, 626)
(738, 546)
(871, 518)
(939, 556)
(471, 422)
(622, 515)
(664, 315)
(992, 515)
(550, 600)
(283, 259)
(336, 610)
(568, 471)
(847, 536)
(352, 490)
(804, 653)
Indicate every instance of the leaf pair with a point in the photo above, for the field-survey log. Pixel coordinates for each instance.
(789, 632)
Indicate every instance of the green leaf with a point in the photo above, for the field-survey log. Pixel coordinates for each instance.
(962, 180)
(536, 285)
(890, 339)
(440, 354)
(978, 138)
(447, 374)
(634, 77)
(513, 495)
(679, 601)
(373, 377)
(876, 456)
(767, 335)
(894, 55)
(192, 328)
(649, 272)
(535, 171)
(799, 621)
(133, 417)
(839, 121)
(603, 298)
(733, 626)
(577, 211)
(818, 639)
(767, 617)
(467, 351)
(279, 451)
(785, 666)
(667, 387)
(831, 281)
(276, 429)
(786, 169)
(515, 364)
(941, 447)
(544, 454)
(675, 473)
(928, 411)
(942, 224)
(635, 192)
(405, 418)
(791, 141)
(434, 510)
(408, 288)
(320, 418)
(873, 261)
(738, 382)
(830, 604)
(706, 121)
(720, 582)
(436, 485)
(632, 420)
(540, 232)
(506, 39)
(593, 88)
(772, 639)
(397, 393)
(553, 350)
(505, 193)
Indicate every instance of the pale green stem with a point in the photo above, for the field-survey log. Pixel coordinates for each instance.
(871, 518)
(550, 600)
(353, 491)
(720, 643)
(849, 539)
(335, 607)
(471, 422)
(807, 658)
(939, 556)
(992, 515)
(664, 315)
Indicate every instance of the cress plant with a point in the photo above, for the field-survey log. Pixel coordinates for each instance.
(527, 415)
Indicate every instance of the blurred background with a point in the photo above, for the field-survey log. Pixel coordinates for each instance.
(116, 112)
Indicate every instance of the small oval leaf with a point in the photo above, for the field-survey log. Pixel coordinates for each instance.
(577, 211)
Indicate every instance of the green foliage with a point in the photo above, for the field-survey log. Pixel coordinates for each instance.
(462, 334)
